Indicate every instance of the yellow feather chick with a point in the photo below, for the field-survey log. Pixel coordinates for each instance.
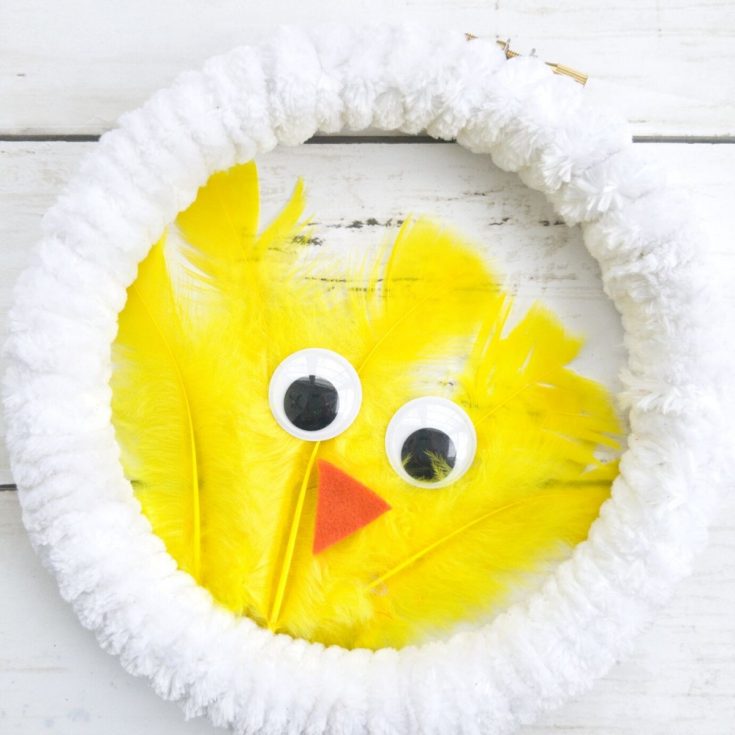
(335, 541)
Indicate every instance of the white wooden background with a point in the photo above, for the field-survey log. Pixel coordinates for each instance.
(68, 68)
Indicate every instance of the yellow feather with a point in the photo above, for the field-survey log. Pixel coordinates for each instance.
(385, 299)
(233, 495)
(150, 346)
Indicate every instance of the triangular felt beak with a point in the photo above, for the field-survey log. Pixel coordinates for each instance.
(344, 506)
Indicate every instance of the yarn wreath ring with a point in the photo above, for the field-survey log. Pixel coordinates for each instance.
(80, 511)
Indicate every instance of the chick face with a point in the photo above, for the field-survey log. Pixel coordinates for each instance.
(359, 453)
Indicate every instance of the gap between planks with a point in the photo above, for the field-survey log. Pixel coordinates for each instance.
(358, 139)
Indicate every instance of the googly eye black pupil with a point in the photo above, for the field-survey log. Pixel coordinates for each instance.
(428, 455)
(311, 403)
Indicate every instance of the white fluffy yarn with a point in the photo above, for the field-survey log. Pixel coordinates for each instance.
(80, 511)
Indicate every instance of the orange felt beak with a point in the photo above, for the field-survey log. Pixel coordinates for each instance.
(344, 506)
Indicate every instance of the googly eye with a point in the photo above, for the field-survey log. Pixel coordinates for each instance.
(315, 394)
(430, 442)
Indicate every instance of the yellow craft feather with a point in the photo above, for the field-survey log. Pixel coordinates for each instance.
(150, 344)
(233, 495)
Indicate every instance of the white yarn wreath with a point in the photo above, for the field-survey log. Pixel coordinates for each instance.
(80, 511)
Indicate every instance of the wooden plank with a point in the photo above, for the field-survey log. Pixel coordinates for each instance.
(53, 677)
(68, 68)
(357, 195)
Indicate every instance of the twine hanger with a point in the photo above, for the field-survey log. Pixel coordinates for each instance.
(562, 69)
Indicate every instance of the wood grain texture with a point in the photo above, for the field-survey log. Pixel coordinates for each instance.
(681, 680)
(71, 67)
